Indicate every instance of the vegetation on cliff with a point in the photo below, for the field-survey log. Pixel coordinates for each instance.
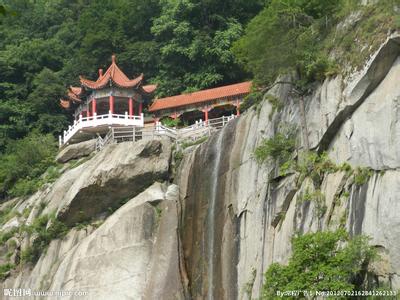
(321, 261)
(314, 38)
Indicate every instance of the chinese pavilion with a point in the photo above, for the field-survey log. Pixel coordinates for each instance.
(113, 100)
(205, 104)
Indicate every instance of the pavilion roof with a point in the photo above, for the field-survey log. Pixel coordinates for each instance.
(113, 76)
(150, 88)
(201, 96)
(74, 93)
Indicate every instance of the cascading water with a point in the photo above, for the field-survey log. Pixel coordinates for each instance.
(211, 213)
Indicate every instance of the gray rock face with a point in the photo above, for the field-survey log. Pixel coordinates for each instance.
(75, 151)
(132, 255)
(248, 221)
(371, 137)
(118, 172)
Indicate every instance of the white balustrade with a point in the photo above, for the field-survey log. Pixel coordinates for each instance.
(101, 120)
(138, 121)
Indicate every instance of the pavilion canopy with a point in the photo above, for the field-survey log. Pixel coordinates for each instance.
(112, 77)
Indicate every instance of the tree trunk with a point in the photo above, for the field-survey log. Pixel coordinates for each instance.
(303, 123)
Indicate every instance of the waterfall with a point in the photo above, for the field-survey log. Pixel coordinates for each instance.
(211, 214)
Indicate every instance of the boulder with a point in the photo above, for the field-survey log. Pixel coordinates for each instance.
(76, 151)
(115, 174)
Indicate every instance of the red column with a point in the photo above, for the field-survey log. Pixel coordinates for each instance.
(237, 108)
(111, 103)
(140, 108)
(87, 113)
(93, 106)
(130, 107)
(205, 114)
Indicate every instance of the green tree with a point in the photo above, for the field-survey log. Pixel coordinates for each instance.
(24, 161)
(285, 37)
(321, 261)
(195, 40)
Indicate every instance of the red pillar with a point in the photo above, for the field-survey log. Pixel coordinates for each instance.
(140, 108)
(205, 114)
(237, 108)
(111, 103)
(87, 113)
(131, 112)
(93, 106)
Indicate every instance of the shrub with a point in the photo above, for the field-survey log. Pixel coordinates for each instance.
(4, 269)
(187, 144)
(4, 237)
(278, 148)
(169, 122)
(362, 175)
(178, 156)
(315, 166)
(24, 162)
(253, 98)
(321, 261)
(276, 104)
(25, 187)
(5, 214)
(317, 197)
(45, 228)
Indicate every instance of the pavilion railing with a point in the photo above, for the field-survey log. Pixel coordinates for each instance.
(134, 133)
(193, 132)
(100, 120)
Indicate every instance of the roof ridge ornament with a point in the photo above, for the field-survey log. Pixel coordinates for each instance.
(113, 58)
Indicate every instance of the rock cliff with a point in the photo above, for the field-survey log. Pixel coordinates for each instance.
(138, 230)
(238, 216)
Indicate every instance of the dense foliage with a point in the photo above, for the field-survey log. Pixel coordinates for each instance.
(44, 46)
(321, 261)
(286, 36)
(302, 36)
(23, 163)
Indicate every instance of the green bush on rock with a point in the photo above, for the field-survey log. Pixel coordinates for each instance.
(323, 261)
(45, 229)
(279, 148)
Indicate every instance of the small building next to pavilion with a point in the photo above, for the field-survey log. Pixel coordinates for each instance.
(204, 104)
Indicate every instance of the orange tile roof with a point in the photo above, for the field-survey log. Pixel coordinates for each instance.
(149, 88)
(113, 75)
(74, 93)
(201, 96)
(76, 90)
(65, 103)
